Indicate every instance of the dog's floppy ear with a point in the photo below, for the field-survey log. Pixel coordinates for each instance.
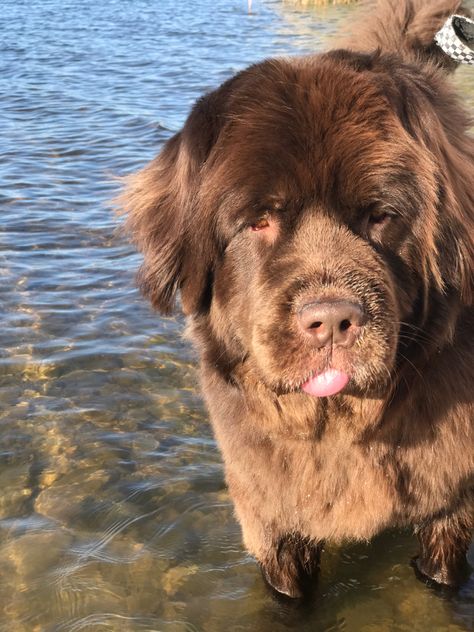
(160, 204)
(432, 115)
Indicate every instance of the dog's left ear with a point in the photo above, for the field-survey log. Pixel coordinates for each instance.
(160, 203)
(431, 114)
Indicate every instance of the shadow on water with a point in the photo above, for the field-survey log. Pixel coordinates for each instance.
(113, 508)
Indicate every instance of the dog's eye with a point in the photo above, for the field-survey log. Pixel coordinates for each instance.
(375, 221)
(379, 217)
(262, 223)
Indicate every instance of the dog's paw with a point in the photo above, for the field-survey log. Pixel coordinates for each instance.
(291, 569)
(282, 584)
(440, 575)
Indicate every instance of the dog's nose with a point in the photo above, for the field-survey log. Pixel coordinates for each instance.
(336, 322)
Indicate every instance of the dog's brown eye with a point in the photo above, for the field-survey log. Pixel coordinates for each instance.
(376, 221)
(378, 218)
(262, 223)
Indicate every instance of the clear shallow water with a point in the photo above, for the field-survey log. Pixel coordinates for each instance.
(113, 510)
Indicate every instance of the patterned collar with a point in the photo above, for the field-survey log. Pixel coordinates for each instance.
(456, 39)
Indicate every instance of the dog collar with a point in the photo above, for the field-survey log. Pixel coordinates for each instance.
(456, 39)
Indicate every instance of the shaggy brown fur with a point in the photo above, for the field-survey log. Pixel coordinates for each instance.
(345, 178)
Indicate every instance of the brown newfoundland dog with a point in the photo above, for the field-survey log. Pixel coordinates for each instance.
(316, 215)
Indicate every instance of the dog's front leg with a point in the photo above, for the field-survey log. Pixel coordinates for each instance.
(288, 560)
(444, 542)
(291, 565)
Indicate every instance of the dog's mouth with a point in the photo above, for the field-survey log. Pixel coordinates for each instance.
(331, 371)
(362, 369)
(327, 383)
(341, 378)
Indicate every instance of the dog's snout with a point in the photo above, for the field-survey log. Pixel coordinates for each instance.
(332, 322)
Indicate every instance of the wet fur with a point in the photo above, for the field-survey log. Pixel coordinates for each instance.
(314, 144)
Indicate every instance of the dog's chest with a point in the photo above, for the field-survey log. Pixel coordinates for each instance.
(318, 472)
(337, 488)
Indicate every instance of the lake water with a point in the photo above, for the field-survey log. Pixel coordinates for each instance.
(113, 510)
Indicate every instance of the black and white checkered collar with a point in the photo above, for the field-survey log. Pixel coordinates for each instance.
(456, 39)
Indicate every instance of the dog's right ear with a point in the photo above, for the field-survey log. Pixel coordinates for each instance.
(159, 202)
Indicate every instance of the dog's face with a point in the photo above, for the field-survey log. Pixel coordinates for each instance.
(300, 213)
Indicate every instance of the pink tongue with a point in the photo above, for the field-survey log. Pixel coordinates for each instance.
(325, 384)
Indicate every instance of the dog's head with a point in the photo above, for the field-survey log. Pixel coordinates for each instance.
(308, 212)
